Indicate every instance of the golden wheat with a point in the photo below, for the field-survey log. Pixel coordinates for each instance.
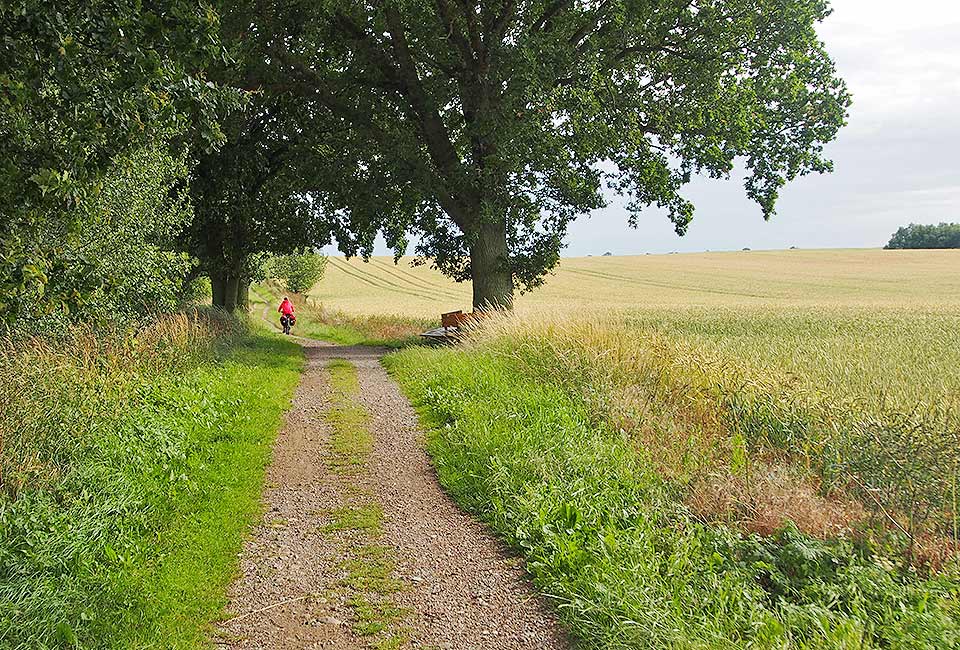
(865, 278)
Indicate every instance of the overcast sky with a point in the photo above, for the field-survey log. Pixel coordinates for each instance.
(897, 161)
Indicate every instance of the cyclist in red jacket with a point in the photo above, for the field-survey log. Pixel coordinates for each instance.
(287, 319)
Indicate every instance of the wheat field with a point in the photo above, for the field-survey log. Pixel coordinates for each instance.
(861, 278)
(863, 323)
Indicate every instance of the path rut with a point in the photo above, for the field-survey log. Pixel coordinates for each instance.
(458, 588)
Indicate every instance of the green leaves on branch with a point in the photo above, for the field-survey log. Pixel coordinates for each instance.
(117, 262)
(129, 233)
(81, 86)
(79, 83)
(298, 272)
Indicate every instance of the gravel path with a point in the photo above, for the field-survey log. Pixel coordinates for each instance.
(460, 588)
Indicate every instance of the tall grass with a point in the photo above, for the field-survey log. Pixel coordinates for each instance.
(52, 388)
(131, 466)
(669, 495)
(757, 443)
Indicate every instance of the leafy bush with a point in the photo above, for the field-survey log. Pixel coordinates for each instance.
(81, 88)
(944, 235)
(298, 271)
(129, 238)
(118, 260)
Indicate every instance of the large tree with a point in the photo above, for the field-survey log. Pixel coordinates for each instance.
(251, 195)
(483, 127)
(248, 199)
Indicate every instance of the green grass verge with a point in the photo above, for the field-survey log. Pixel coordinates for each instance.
(611, 543)
(135, 546)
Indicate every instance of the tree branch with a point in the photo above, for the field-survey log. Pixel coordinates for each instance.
(497, 29)
(454, 33)
(469, 13)
(439, 145)
(589, 26)
(549, 13)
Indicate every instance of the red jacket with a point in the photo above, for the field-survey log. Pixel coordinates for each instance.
(286, 308)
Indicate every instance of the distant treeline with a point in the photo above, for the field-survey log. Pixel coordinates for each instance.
(944, 235)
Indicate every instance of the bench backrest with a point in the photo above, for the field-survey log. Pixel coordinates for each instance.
(452, 318)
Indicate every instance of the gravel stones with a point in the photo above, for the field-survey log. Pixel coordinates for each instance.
(461, 589)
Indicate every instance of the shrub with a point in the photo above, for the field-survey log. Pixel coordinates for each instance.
(298, 272)
(118, 263)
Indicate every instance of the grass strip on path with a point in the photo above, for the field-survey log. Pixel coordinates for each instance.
(369, 566)
(350, 440)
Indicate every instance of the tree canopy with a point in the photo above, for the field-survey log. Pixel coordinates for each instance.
(480, 129)
(476, 130)
(943, 235)
(251, 196)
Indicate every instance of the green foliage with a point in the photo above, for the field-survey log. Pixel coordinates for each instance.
(609, 539)
(251, 196)
(298, 272)
(944, 235)
(119, 263)
(81, 85)
(139, 469)
(484, 129)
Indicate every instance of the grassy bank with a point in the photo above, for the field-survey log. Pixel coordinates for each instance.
(132, 466)
(667, 495)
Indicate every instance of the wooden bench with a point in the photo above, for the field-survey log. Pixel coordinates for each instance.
(454, 318)
(450, 325)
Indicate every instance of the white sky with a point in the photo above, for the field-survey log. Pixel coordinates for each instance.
(897, 161)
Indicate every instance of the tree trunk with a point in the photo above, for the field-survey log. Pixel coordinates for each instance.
(490, 268)
(243, 294)
(230, 290)
(218, 283)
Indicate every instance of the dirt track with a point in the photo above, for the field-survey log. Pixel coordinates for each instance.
(450, 585)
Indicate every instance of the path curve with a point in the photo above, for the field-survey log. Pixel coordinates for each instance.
(460, 588)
